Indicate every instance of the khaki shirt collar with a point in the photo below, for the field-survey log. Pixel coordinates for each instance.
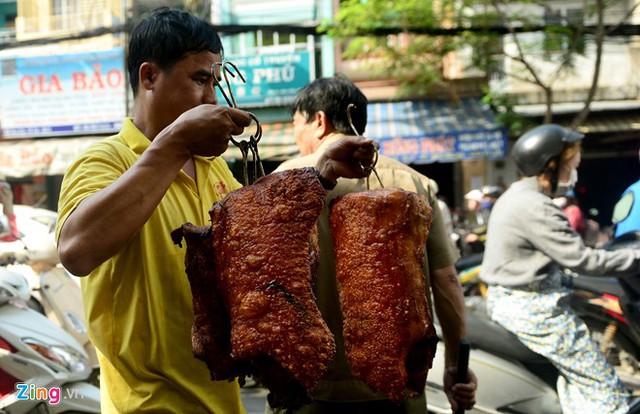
(327, 141)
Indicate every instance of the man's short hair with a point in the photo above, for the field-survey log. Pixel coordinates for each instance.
(166, 36)
(333, 96)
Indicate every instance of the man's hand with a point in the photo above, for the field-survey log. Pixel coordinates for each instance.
(350, 157)
(460, 394)
(205, 130)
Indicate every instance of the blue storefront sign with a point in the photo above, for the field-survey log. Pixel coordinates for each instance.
(272, 79)
(75, 93)
(422, 132)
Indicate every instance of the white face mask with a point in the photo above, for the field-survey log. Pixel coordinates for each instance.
(569, 185)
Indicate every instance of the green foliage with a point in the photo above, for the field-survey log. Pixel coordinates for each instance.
(356, 15)
(413, 59)
(502, 106)
(416, 60)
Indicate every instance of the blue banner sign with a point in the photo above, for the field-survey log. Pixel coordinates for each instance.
(422, 132)
(272, 79)
(448, 147)
(71, 94)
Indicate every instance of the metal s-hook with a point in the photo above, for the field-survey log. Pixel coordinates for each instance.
(244, 145)
(369, 168)
(225, 71)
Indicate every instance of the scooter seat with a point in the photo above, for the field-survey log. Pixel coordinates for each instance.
(490, 336)
(598, 284)
(469, 261)
(483, 333)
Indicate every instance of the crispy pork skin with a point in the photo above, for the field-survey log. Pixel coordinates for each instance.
(379, 242)
(263, 251)
(211, 329)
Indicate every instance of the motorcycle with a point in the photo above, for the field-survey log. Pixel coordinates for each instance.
(54, 292)
(610, 306)
(511, 378)
(468, 270)
(43, 369)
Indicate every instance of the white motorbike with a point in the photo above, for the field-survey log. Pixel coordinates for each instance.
(43, 369)
(54, 292)
(511, 378)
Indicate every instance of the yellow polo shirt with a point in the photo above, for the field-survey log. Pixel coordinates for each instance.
(138, 303)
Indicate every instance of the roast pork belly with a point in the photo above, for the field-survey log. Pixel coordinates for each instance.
(261, 255)
(211, 329)
(379, 243)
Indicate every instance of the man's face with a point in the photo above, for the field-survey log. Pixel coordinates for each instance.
(304, 133)
(184, 86)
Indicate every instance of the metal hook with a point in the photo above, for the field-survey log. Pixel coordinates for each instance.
(225, 71)
(372, 167)
(244, 145)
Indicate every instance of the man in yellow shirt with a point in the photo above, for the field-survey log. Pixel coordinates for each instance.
(122, 198)
(320, 121)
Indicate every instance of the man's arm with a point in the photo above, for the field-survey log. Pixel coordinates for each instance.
(448, 302)
(449, 306)
(105, 221)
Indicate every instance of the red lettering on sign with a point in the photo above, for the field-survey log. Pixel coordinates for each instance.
(34, 157)
(96, 81)
(79, 81)
(30, 84)
(115, 78)
(112, 79)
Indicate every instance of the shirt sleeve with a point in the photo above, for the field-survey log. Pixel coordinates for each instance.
(440, 252)
(94, 170)
(555, 237)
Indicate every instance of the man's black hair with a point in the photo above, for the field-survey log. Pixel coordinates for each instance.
(333, 96)
(166, 36)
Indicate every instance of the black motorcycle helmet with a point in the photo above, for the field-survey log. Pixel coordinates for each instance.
(535, 148)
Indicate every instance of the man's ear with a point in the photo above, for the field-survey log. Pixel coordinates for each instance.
(322, 124)
(148, 74)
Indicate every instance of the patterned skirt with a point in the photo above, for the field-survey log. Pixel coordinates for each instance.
(540, 316)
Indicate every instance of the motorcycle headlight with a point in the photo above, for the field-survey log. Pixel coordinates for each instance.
(61, 355)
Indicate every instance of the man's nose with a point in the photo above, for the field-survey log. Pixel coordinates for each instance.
(211, 97)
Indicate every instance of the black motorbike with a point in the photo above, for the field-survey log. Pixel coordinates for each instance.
(610, 306)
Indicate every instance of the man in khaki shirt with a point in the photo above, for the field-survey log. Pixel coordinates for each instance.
(320, 119)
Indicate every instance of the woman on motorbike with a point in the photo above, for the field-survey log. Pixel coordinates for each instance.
(529, 241)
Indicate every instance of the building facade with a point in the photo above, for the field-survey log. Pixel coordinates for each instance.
(64, 86)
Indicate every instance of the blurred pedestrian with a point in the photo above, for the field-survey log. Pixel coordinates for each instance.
(569, 205)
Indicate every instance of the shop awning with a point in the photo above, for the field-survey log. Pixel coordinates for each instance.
(413, 132)
(421, 132)
(33, 157)
(609, 123)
